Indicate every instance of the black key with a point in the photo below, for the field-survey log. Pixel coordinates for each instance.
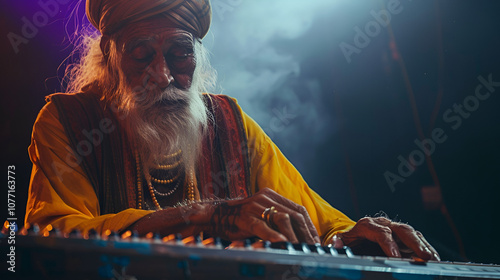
(75, 233)
(197, 240)
(178, 237)
(302, 247)
(34, 230)
(217, 241)
(114, 236)
(55, 232)
(316, 248)
(248, 243)
(157, 237)
(346, 251)
(283, 246)
(93, 234)
(331, 250)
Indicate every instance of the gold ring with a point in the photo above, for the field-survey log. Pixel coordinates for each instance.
(266, 215)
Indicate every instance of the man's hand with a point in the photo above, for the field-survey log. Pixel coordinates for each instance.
(394, 238)
(239, 219)
(235, 219)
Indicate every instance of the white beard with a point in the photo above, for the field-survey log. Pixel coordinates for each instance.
(161, 123)
(158, 122)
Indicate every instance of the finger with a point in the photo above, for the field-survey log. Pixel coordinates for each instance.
(281, 219)
(382, 235)
(386, 222)
(304, 224)
(386, 242)
(312, 229)
(300, 209)
(247, 223)
(301, 230)
(259, 228)
(435, 254)
(337, 243)
(298, 223)
(409, 237)
(282, 223)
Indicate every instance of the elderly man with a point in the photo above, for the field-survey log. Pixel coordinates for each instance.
(138, 144)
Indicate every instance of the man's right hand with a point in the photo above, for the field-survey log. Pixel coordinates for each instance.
(242, 218)
(235, 219)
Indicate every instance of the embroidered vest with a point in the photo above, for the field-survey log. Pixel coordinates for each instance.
(107, 158)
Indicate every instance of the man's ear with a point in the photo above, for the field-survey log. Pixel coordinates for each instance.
(105, 46)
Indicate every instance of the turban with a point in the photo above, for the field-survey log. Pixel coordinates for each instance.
(108, 16)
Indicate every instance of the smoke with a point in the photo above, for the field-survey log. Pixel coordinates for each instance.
(258, 51)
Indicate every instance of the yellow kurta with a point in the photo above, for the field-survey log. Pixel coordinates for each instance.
(60, 193)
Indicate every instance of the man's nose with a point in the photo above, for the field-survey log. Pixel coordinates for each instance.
(160, 73)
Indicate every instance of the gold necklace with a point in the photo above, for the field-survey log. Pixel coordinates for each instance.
(173, 155)
(190, 190)
(172, 165)
(169, 192)
(190, 184)
(139, 179)
(168, 166)
(166, 181)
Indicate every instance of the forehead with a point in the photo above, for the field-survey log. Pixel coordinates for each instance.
(160, 30)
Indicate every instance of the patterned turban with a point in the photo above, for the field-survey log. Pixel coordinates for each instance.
(108, 16)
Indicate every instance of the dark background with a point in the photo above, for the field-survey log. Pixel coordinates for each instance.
(342, 124)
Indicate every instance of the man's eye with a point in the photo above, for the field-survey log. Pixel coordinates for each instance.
(141, 54)
(143, 59)
(180, 56)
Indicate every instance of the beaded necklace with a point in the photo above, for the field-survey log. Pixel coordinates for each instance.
(152, 191)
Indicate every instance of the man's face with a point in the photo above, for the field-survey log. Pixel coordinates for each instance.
(156, 54)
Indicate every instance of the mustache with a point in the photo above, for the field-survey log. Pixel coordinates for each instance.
(170, 97)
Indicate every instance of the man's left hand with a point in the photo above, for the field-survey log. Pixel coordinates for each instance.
(394, 238)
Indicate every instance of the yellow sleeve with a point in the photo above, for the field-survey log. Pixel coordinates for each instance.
(60, 193)
(269, 168)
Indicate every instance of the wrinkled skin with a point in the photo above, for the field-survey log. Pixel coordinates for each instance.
(395, 239)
